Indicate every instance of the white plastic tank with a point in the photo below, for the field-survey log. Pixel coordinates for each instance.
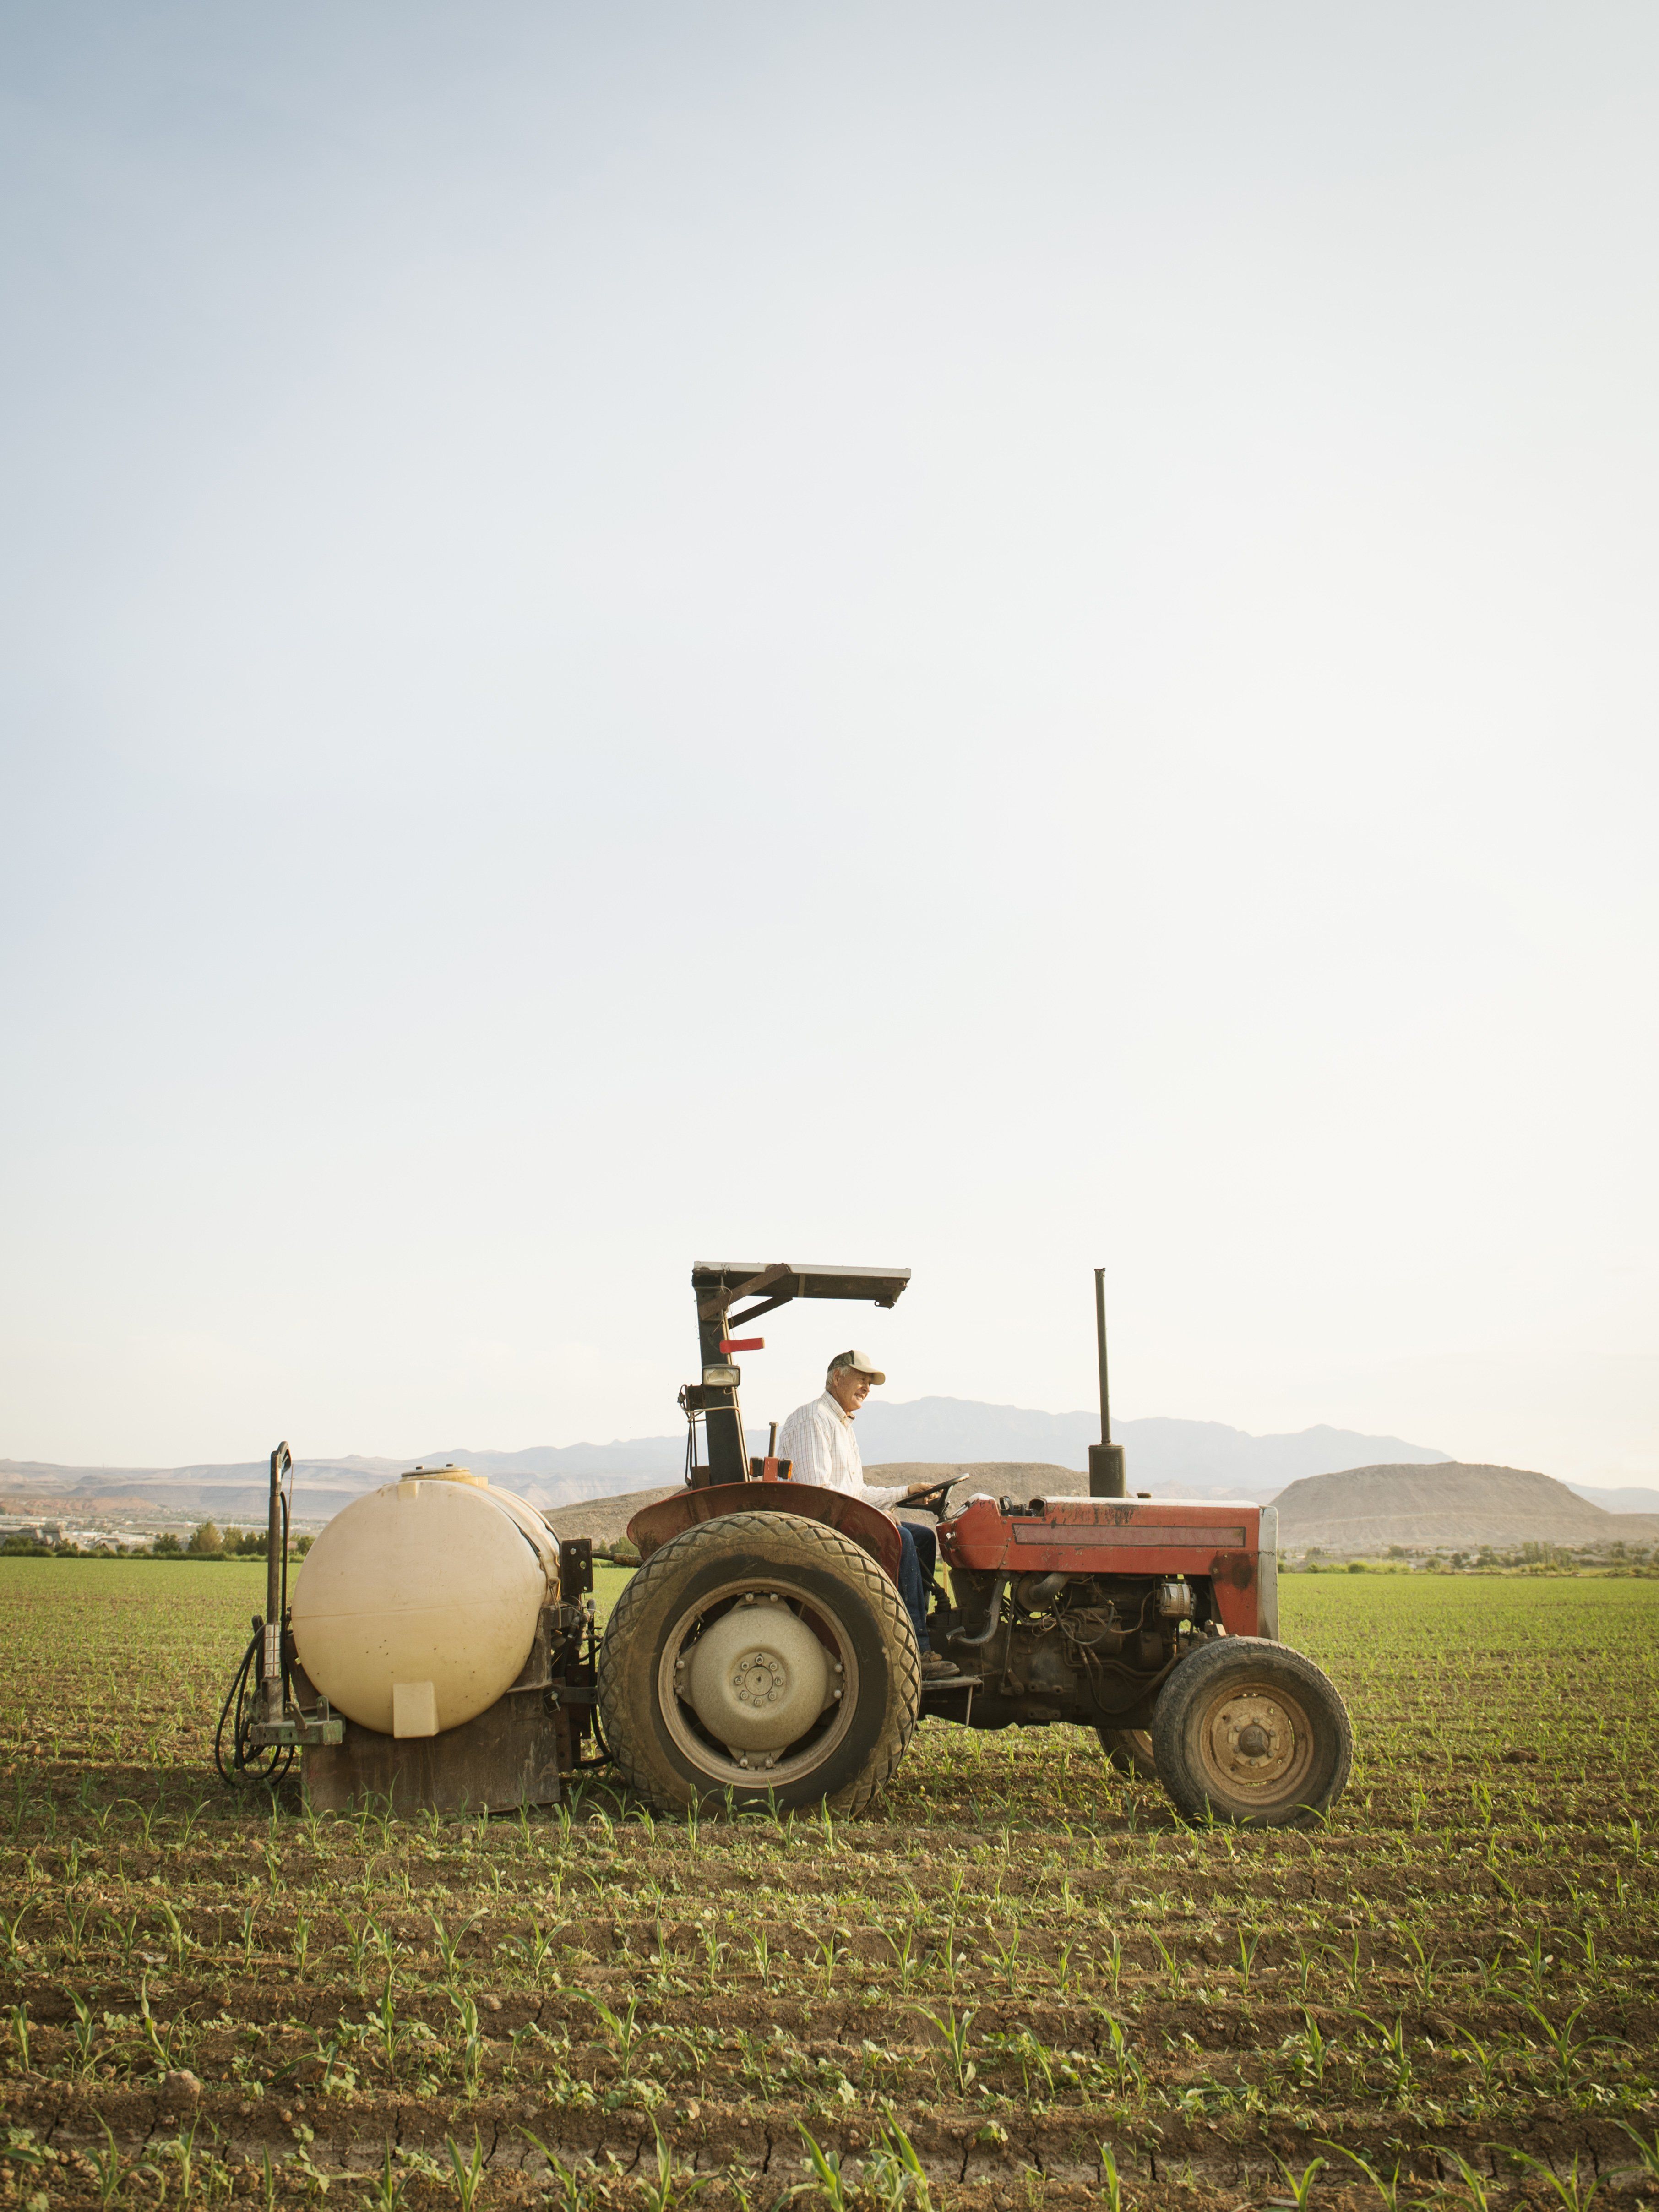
(417, 1605)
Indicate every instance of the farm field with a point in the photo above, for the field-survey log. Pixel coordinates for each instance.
(1022, 1958)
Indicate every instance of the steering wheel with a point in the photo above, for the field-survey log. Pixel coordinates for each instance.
(932, 1500)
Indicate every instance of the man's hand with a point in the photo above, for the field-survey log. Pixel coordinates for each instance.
(930, 1489)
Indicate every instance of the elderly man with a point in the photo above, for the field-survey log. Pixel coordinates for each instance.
(818, 1438)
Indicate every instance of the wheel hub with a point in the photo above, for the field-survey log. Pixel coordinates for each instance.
(1253, 1740)
(757, 1677)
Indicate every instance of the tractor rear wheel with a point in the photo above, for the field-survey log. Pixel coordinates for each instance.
(1250, 1732)
(1129, 1750)
(763, 1654)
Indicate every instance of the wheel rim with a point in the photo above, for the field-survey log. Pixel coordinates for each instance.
(758, 1683)
(1255, 1745)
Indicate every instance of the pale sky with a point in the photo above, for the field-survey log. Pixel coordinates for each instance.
(998, 639)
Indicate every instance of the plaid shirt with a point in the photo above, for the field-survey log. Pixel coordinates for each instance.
(819, 1439)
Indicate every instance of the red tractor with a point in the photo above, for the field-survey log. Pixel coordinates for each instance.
(442, 1649)
(762, 1650)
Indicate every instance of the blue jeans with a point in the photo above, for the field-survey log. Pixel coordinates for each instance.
(920, 1551)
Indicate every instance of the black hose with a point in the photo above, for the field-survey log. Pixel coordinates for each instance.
(605, 1758)
(246, 1762)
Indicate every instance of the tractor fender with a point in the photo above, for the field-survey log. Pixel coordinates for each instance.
(653, 1525)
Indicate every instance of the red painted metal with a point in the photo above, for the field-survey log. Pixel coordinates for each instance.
(743, 1344)
(1119, 1536)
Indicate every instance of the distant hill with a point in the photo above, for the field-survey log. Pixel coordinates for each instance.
(1194, 1458)
(1451, 1507)
(604, 1519)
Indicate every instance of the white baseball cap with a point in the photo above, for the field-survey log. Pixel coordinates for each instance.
(860, 1363)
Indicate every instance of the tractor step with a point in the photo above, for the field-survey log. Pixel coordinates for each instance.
(952, 1700)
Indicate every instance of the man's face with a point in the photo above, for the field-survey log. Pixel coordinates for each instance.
(849, 1389)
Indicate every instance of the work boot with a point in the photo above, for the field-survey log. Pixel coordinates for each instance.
(935, 1668)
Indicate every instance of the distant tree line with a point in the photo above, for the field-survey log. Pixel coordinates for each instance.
(1541, 1558)
(206, 1542)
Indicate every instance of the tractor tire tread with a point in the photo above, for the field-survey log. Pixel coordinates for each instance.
(623, 1728)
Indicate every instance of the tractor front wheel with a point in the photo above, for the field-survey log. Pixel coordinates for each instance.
(763, 1654)
(1250, 1732)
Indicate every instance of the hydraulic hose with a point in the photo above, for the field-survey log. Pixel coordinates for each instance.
(236, 1758)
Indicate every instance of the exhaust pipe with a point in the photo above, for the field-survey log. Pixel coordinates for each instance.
(1106, 1476)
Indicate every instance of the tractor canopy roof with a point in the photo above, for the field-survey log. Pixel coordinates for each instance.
(719, 1284)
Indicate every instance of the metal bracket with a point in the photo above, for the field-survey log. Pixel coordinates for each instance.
(298, 1729)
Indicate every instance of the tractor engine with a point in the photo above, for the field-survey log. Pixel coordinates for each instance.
(1058, 1616)
(1066, 1647)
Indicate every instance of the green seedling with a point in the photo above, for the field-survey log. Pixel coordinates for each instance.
(953, 2033)
(536, 1948)
(623, 2034)
(472, 2050)
(1349, 1961)
(1169, 1965)
(107, 2172)
(1648, 2152)
(1114, 1964)
(1423, 1971)
(894, 2171)
(182, 2150)
(449, 1946)
(840, 2189)
(1111, 2181)
(573, 2195)
(84, 2033)
(1063, 1968)
(1577, 2193)
(1388, 2190)
(1009, 1955)
(1031, 2058)
(672, 2186)
(384, 2021)
(1396, 2058)
(10, 1936)
(468, 2172)
(1247, 1947)
(1313, 2051)
(829, 1951)
(77, 1920)
(1473, 2182)
(159, 2051)
(1300, 2184)
(1128, 2070)
(389, 2187)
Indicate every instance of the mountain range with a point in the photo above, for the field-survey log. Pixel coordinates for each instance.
(1190, 1458)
